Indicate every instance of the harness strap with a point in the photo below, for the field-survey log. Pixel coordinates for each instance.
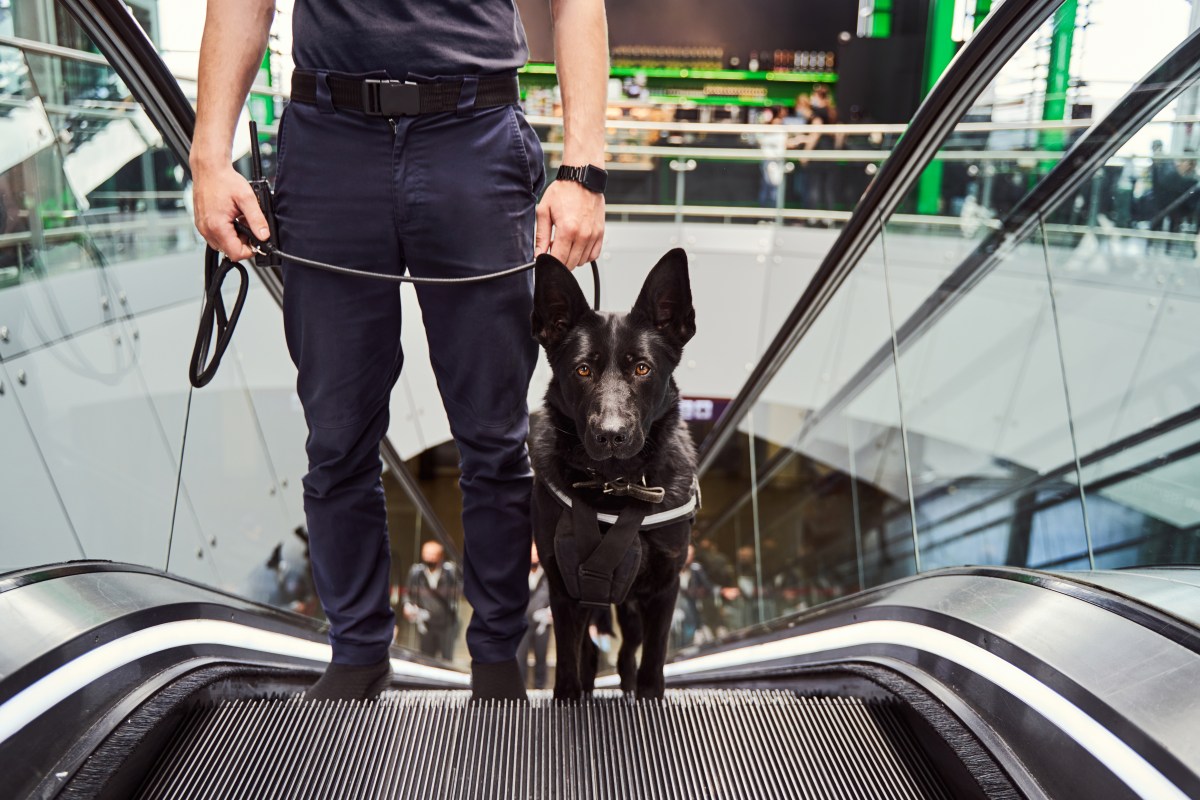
(651, 521)
(601, 555)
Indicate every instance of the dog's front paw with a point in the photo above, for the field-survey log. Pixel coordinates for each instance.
(652, 691)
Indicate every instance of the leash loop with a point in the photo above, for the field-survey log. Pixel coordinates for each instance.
(213, 316)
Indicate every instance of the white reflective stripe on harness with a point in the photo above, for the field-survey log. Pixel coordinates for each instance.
(650, 521)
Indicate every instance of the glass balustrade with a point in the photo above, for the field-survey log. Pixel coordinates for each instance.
(1039, 412)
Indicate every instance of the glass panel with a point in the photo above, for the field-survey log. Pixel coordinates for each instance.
(1123, 262)
(818, 507)
(984, 401)
(94, 227)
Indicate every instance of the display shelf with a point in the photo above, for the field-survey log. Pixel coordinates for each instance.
(541, 68)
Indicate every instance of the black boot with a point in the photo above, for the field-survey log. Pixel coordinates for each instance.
(352, 682)
(500, 681)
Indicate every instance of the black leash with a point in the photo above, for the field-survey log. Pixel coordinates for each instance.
(214, 317)
(267, 254)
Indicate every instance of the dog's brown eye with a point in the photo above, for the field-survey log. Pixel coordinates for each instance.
(642, 369)
(583, 371)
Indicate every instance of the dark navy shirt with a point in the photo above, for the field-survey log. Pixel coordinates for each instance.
(424, 37)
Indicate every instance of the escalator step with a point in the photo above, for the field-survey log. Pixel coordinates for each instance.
(697, 743)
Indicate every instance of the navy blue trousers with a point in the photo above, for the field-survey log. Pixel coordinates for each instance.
(447, 194)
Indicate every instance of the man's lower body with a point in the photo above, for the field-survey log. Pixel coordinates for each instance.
(444, 195)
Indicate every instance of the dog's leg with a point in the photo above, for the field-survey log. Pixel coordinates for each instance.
(630, 621)
(657, 611)
(570, 627)
(589, 654)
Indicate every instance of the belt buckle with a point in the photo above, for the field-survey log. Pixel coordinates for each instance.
(391, 98)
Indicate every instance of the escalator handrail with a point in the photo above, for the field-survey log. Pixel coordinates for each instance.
(133, 56)
(976, 64)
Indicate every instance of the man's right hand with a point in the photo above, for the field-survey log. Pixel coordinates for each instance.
(220, 195)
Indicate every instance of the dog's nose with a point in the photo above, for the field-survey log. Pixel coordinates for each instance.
(611, 437)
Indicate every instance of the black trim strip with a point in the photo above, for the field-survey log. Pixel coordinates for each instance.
(1004, 31)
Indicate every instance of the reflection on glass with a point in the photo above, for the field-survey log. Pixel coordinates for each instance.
(82, 224)
(1121, 255)
(811, 502)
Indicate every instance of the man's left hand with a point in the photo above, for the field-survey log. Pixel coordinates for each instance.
(577, 218)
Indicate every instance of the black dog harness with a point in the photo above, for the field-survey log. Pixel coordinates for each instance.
(598, 568)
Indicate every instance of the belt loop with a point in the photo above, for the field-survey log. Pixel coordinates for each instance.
(324, 101)
(466, 96)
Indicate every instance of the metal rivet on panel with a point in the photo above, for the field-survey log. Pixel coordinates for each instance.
(272, 491)
(122, 298)
(284, 483)
(104, 302)
(3, 333)
(200, 552)
(21, 377)
(116, 340)
(213, 541)
(1, 387)
(137, 335)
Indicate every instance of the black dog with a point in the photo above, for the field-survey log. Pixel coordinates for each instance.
(611, 441)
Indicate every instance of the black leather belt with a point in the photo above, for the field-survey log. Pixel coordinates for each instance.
(388, 98)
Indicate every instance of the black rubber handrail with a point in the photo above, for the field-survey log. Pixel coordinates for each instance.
(123, 42)
(1001, 34)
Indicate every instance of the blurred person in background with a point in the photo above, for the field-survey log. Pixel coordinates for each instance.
(801, 115)
(431, 601)
(773, 146)
(822, 174)
(539, 619)
(695, 619)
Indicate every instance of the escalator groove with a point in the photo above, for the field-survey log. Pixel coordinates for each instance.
(697, 743)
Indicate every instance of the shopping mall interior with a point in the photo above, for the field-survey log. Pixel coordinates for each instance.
(945, 391)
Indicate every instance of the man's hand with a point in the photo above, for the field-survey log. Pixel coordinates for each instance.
(220, 195)
(577, 217)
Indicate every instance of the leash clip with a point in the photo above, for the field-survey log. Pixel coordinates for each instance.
(388, 98)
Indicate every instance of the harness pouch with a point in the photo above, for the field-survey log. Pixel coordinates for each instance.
(598, 569)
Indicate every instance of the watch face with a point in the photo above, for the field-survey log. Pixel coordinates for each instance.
(595, 179)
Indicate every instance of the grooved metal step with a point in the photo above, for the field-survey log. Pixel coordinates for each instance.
(695, 744)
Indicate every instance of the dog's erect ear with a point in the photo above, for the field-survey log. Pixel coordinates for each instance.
(558, 302)
(666, 299)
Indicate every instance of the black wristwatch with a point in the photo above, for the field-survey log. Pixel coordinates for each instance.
(593, 179)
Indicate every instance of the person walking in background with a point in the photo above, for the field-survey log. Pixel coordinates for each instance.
(773, 146)
(539, 619)
(695, 617)
(822, 174)
(431, 601)
(801, 115)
